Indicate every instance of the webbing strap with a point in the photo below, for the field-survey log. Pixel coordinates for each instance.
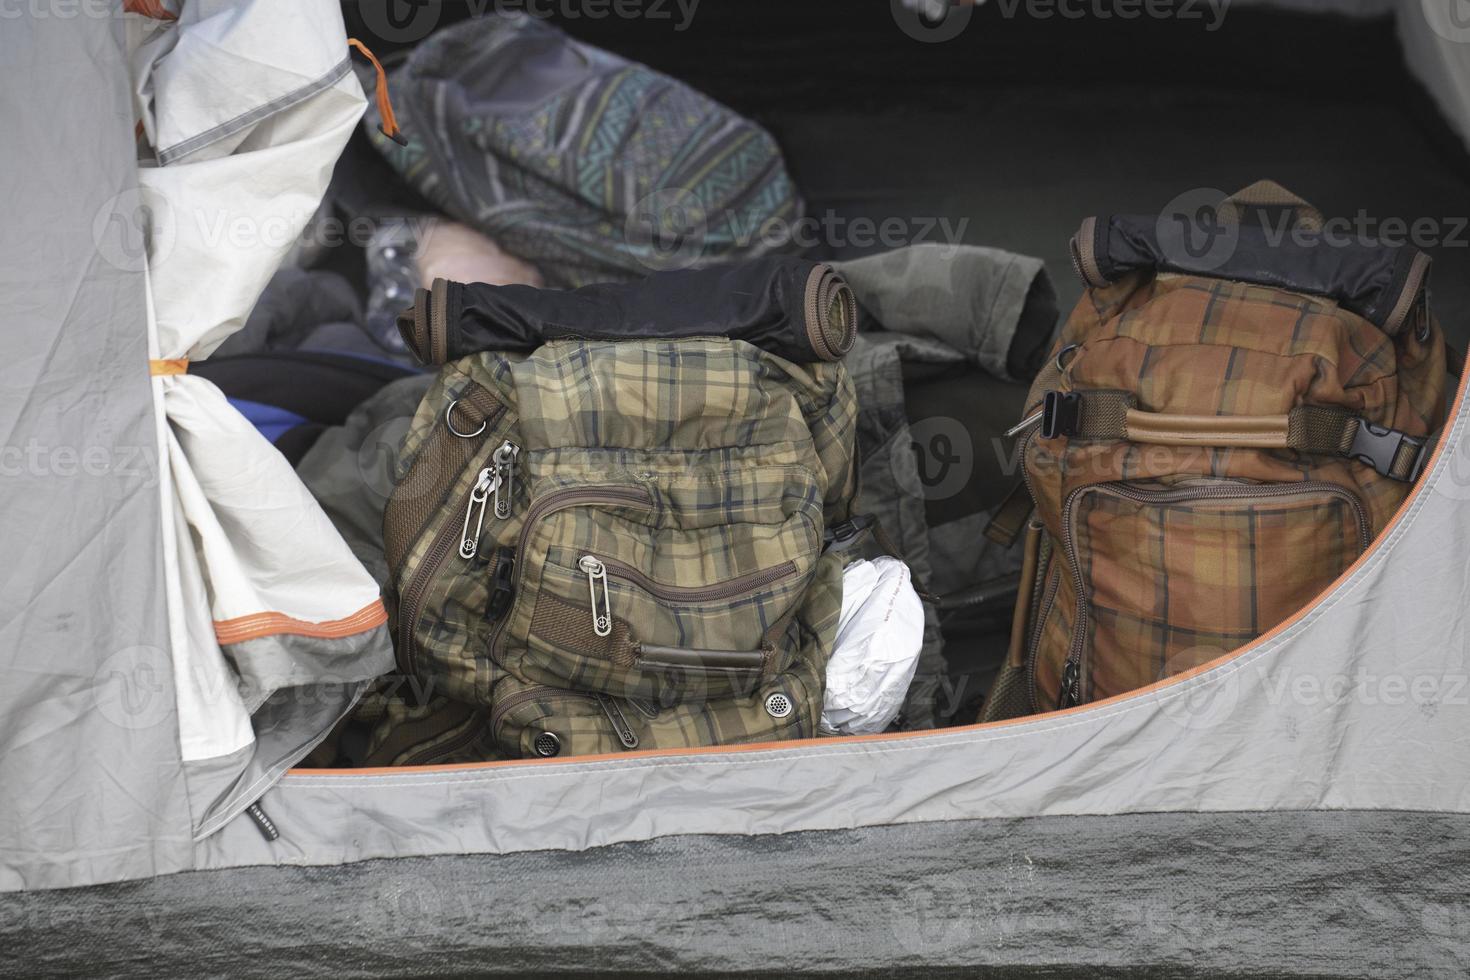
(1314, 429)
(1010, 518)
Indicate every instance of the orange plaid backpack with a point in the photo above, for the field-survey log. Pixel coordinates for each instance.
(1232, 412)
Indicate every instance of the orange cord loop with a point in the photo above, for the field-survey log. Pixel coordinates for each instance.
(389, 126)
(149, 8)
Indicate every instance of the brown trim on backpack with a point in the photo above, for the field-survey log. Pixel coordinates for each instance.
(1240, 431)
(1105, 415)
(1083, 248)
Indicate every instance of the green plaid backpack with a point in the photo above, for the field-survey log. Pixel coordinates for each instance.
(616, 545)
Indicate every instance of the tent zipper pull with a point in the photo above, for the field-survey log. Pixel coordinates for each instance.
(505, 488)
(596, 570)
(474, 514)
(263, 823)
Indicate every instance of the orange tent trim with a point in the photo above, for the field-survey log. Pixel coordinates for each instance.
(255, 626)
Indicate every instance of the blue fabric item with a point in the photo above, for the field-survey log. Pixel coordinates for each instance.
(271, 421)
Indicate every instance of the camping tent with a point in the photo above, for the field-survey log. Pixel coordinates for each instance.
(181, 625)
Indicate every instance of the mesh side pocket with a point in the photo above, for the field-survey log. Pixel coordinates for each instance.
(1008, 696)
(567, 627)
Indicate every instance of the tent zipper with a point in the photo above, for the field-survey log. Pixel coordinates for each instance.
(1076, 676)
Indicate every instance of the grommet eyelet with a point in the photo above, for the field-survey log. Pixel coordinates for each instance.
(449, 421)
(546, 745)
(778, 705)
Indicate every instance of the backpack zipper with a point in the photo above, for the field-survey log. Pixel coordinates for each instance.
(493, 480)
(434, 753)
(413, 594)
(597, 570)
(486, 483)
(625, 734)
(1076, 672)
(549, 504)
(1043, 607)
(505, 471)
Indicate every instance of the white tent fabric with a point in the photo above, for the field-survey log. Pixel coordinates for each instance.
(246, 119)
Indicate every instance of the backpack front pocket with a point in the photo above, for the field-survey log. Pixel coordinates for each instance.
(677, 589)
(1161, 578)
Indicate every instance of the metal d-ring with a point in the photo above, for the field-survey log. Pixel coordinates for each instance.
(449, 421)
(1062, 356)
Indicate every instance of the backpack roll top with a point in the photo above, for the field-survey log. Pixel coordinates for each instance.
(1213, 444)
(625, 547)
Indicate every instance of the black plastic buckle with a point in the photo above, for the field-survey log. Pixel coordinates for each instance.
(1378, 447)
(1060, 413)
(841, 536)
(502, 584)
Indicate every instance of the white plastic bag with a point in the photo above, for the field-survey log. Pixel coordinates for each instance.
(877, 650)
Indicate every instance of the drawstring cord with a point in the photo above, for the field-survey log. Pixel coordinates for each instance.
(389, 126)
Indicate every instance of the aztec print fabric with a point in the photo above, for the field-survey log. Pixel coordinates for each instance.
(589, 166)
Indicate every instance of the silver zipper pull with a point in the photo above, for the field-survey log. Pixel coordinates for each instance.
(505, 490)
(485, 484)
(601, 621)
(1024, 424)
(625, 733)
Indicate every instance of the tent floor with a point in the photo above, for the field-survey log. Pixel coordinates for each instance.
(1147, 895)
